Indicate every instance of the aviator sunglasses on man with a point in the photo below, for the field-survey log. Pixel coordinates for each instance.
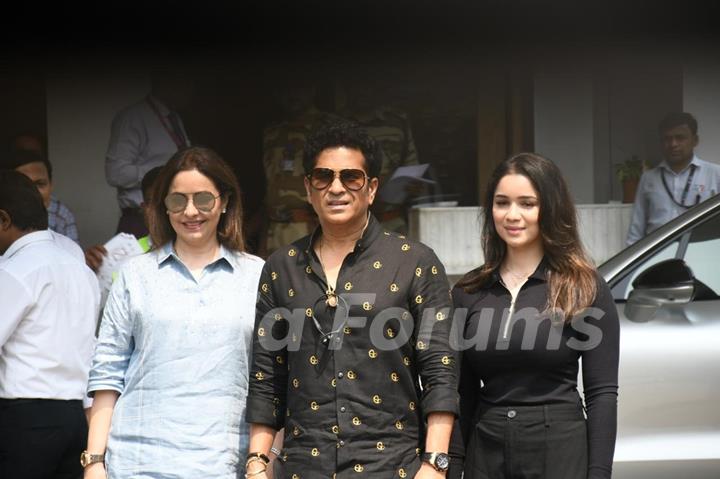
(203, 200)
(352, 179)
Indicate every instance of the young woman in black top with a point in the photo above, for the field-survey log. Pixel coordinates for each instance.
(534, 309)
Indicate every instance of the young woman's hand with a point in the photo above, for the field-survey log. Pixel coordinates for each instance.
(95, 471)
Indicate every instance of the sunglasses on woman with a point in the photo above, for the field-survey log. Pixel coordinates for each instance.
(203, 200)
(352, 179)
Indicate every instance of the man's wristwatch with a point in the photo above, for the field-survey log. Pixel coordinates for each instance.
(86, 458)
(439, 460)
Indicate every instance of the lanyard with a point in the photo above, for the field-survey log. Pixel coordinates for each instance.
(176, 136)
(685, 190)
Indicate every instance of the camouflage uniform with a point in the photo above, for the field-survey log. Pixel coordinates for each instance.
(390, 128)
(290, 217)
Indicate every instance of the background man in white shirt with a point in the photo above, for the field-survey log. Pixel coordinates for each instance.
(143, 136)
(49, 301)
(679, 182)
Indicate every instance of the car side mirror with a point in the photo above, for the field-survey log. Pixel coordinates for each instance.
(668, 282)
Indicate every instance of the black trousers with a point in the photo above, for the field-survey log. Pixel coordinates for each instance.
(528, 442)
(41, 438)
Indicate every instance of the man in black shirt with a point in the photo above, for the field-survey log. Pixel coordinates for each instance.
(348, 320)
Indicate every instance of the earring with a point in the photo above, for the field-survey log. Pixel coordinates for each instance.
(167, 212)
(224, 210)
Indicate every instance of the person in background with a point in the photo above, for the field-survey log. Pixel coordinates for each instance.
(390, 128)
(49, 302)
(170, 372)
(346, 390)
(520, 411)
(143, 136)
(94, 255)
(27, 156)
(289, 217)
(679, 182)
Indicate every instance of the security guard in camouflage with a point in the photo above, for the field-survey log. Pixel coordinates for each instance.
(289, 216)
(390, 128)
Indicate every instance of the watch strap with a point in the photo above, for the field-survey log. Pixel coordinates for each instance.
(431, 458)
(86, 458)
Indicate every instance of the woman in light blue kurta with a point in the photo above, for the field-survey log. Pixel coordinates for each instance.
(170, 371)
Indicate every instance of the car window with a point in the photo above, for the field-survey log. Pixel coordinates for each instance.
(703, 255)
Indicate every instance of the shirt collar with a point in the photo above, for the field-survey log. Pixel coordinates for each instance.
(167, 252)
(695, 161)
(368, 237)
(539, 274)
(159, 105)
(26, 239)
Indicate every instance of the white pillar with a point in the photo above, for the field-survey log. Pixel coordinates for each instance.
(564, 126)
(80, 108)
(701, 97)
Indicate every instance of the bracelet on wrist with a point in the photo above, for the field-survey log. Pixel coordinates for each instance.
(255, 459)
(258, 455)
(256, 473)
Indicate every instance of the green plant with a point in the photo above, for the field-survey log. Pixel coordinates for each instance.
(630, 169)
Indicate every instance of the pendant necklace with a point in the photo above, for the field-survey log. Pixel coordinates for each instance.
(332, 299)
(330, 292)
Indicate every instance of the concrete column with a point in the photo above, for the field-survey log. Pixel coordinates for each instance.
(80, 108)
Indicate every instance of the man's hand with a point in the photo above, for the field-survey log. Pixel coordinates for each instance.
(95, 471)
(94, 256)
(428, 472)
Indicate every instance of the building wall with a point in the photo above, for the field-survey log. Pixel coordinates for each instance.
(564, 125)
(701, 97)
(80, 108)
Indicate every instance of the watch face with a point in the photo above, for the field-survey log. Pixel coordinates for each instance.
(442, 461)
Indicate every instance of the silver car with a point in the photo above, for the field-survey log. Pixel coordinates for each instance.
(667, 291)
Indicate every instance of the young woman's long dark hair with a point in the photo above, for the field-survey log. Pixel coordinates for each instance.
(572, 281)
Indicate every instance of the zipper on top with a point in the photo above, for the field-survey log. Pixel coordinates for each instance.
(508, 322)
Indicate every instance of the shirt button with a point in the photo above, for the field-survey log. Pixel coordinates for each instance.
(340, 374)
(342, 409)
(511, 413)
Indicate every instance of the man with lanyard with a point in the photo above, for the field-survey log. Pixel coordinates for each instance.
(679, 182)
(348, 320)
(143, 136)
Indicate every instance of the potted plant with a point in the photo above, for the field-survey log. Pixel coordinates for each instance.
(629, 172)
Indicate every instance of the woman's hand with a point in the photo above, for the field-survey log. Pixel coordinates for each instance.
(257, 470)
(95, 471)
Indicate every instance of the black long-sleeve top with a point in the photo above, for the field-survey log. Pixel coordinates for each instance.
(357, 411)
(516, 366)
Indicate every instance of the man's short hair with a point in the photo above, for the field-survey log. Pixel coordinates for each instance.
(20, 199)
(17, 158)
(676, 119)
(346, 134)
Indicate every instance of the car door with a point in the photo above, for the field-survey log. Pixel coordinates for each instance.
(669, 396)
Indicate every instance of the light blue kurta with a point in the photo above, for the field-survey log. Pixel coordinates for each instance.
(178, 351)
